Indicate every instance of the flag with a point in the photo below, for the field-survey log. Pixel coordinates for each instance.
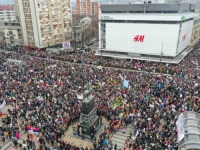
(125, 84)
(195, 62)
(31, 57)
(138, 66)
(30, 69)
(33, 129)
(3, 104)
(136, 134)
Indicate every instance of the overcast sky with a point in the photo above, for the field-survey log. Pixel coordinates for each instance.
(6, 1)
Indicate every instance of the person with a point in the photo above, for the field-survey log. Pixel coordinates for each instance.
(123, 129)
(115, 146)
(74, 130)
(17, 135)
(12, 139)
(31, 137)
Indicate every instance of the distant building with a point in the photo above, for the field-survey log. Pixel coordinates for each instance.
(95, 9)
(195, 32)
(86, 8)
(7, 13)
(10, 33)
(45, 23)
(83, 8)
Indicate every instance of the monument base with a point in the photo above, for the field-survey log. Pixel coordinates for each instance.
(89, 129)
(87, 137)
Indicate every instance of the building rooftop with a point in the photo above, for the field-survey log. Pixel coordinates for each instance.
(147, 16)
(6, 7)
(158, 7)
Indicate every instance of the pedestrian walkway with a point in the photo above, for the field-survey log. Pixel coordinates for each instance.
(119, 137)
(9, 144)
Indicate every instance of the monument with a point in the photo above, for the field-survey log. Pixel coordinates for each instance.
(89, 122)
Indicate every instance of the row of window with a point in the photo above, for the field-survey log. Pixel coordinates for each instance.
(147, 21)
(7, 12)
(143, 11)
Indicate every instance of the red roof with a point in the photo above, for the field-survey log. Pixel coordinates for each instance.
(6, 7)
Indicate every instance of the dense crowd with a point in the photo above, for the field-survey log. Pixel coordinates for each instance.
(189, 62)
(44, 92)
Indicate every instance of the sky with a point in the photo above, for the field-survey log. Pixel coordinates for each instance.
(6, 1)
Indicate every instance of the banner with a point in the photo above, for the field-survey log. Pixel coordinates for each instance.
(2, 105)
(52, 66)
(66, 44)
(180, 128)
(79, 96)
(33, 129)
(138, 66)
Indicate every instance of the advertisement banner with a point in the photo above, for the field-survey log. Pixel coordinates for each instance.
(180, 128)
(66, 44)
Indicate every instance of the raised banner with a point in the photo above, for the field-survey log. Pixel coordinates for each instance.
(180, 128)
(2, 105)
(66, 44)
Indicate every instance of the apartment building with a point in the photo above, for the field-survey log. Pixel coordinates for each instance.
(7, 13)
(86, 8)
(195, 32)
(95, 9)
(45, 22)
(10, 33)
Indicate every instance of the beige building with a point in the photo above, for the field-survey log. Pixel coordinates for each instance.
(195, 31)
(45, 22)
(10, 33)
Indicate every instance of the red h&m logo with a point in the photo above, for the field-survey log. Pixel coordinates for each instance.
(184, 37)
(138, 38)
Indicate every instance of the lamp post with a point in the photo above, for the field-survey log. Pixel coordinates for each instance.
(161, 53)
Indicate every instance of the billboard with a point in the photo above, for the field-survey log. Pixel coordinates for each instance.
(143, 38)
(66, 45)
(180, 128)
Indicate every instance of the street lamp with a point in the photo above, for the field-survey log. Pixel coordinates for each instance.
(161, 53)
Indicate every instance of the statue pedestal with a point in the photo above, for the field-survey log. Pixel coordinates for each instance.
(88, 118)
(87, 130)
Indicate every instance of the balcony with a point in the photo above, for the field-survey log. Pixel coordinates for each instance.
(55, 23)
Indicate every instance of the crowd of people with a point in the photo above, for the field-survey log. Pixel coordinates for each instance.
(43, 93)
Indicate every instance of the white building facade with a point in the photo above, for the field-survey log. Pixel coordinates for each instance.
(7, 13)
(147, 32)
